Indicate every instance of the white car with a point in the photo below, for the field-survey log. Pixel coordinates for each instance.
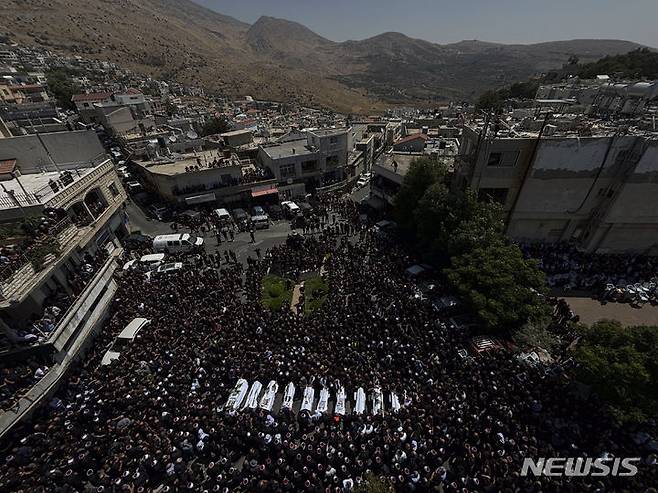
(171, 266)
(126, 337)
(149, 262)
(363, 180)
(165, 269)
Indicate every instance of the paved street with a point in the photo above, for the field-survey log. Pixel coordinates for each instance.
(242, 246)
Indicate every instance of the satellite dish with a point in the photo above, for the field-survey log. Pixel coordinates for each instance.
(192, 135)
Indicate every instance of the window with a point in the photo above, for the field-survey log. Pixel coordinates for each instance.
(333, 140)
(287, 170)
(309, 166)
(332, 161)
(503, 159)
(494, 159)
(113, 189)
(496, 194)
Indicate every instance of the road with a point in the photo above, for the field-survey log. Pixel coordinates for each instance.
(242, 246)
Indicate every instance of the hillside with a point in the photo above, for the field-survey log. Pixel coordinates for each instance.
(279, 59)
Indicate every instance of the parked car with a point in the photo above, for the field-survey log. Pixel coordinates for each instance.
(147, 262)
(223, 216)
(160, 212)
(257, 210)
(134, 187)
(138, 240)
(240, 217)
(275, 212)
(363, 180)
(168, 267)
(165, 269)
(126, 337)
(290, 209)
(176, 243)
(260, 222)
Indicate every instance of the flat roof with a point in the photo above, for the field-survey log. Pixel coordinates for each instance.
(287, 149)
(329, 131)
(176, 165)
(38, 184)
(235, 133)
(403, 161)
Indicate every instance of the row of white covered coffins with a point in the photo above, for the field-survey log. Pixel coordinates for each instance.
(244, 397)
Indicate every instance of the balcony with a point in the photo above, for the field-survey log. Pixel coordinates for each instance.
(33, 268)
(52, 188)
(73, 333)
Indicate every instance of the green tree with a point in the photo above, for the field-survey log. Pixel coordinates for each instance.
(215, 125)
(640, 63)
(422, 174)
(621, 364)
(61, 85)
(449, 223)
(493, 100)
(482, 224)
(499, 285)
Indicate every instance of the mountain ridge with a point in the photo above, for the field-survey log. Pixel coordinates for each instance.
(281, 59)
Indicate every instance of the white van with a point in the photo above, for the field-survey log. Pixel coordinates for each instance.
(260, 222)
(223, 216)
(290, 209)
(126, 336)
(176, 243)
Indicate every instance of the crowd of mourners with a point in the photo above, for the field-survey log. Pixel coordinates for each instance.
(19, 378)
(154, 420)
(58, 301)
(571, 269)
(13, 254)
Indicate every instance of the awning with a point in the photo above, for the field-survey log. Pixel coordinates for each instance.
(267, 191)
(200, 199)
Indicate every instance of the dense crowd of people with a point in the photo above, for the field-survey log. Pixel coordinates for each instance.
(57, 302)
(154, 420)
(571, 269)
(28, 234)
(17, 378)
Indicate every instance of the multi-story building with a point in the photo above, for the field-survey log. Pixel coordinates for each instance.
(302, 165)
(211, 176)
(589, 183)
(388, 175)
(61, 214)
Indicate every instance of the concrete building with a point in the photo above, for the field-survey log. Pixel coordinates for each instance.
(598, 190)
(65, 178)
(320, 159)
(85, 104)
(210, 176)
(387, 176)
(238, 138)
(411, 143)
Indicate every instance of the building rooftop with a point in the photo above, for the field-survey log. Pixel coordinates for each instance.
(38, 186)
(398, 162)
(92, 96)
(287, 149)
(323, 132)
(181, 163)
